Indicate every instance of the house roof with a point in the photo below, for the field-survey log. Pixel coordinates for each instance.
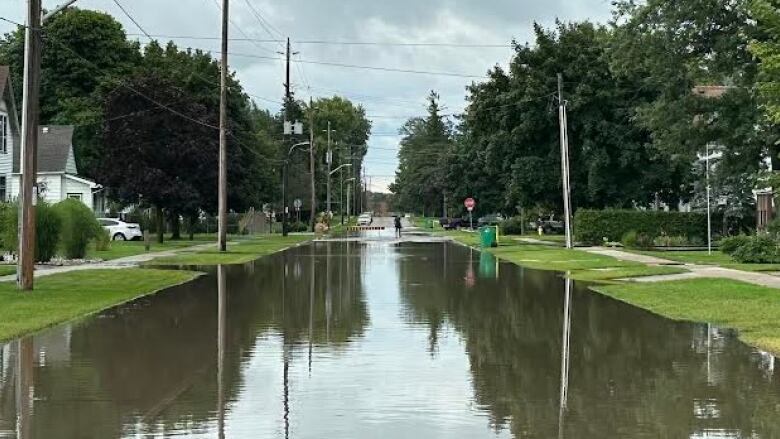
(54, 146)
(711, 91)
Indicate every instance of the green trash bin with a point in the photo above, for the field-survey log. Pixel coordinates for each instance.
(487, 237)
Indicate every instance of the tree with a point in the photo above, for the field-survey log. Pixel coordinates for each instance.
(154, 155)
(767, 49)
(419, 185)
(82, 50)
(508, 150)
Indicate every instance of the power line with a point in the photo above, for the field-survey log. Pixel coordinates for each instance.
(344, 43)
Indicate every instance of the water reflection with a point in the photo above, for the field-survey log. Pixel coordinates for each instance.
(406, 340)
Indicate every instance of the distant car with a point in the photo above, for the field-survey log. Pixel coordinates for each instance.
(120, 230)
(491, 220)
(365, 219)
(451, 223)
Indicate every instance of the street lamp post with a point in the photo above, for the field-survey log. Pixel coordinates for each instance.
(346, 165)
(285, 208)
(349, 182)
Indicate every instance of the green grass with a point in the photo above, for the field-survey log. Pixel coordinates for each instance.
(753, 310)
(703, 258)
(6, 269)
(121, 249)
(581, 265)
(610, 274)
(63, 297)
(238, 252)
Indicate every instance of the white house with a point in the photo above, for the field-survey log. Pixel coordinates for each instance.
(57, 177)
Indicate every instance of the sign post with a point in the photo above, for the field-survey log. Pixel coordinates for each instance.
(470, 205)
(297, 204)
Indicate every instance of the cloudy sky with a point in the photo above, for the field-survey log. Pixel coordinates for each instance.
(321, 30)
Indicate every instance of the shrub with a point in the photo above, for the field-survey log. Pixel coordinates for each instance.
(732, 243)
(512, 226)
(297, 226)
(757, 250)
(671, 241)
(633, 239)
(102, 240)
(48, 225)
(592, 226)
(79, 226)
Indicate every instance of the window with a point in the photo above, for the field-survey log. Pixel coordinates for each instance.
(75, 196)
(2, 189)
(107, 222)
(4, 134)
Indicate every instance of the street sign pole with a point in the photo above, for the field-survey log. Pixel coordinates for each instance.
(470, 204)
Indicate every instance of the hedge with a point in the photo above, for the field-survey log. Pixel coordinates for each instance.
(592, 226)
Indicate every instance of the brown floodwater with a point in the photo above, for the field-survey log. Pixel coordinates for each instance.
(384, 340)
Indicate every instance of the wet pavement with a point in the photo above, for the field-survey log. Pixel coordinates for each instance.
(385, 339)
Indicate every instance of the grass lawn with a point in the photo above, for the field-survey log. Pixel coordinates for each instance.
(581, 265)
(238, 253)
(701, 257)
(6, 269)
(121, 249)
(753, 310)
(62, 297)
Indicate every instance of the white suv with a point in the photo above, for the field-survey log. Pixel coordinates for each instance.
(120, 230)
(365, 219)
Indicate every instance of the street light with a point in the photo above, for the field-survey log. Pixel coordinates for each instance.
(346, 165)
(708, 156)
(348, 181)
(285, 209)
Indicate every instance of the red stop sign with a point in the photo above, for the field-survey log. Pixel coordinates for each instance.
(470, 204)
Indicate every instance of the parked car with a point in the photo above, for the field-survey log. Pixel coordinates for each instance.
(491, 220)
(120, 230)
(452, 223)
(365, 219)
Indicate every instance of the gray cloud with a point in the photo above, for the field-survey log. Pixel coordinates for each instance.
(388, 94)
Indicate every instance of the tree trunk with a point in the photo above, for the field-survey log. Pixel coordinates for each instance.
(160, 219)
(193, 221)
(175, 226)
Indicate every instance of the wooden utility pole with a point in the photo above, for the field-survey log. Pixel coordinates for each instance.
(564, 161)
(312, 156)
(329, 161)
(222, 207)
(32, 82)
(288, 119)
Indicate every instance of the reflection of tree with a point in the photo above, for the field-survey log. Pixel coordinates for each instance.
(632, 374)
(153, 363)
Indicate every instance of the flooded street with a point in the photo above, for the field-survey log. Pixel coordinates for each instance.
(383, 339)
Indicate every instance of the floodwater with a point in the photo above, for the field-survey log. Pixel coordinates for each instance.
(384, 340)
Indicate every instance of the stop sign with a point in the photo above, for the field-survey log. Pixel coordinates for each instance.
(470, 204)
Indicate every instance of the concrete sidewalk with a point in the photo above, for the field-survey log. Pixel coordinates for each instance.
(695, 271)
(114, 264)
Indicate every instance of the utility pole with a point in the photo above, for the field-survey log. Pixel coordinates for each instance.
(564, 162)
(288, 119)
(222, 204)
(32, 82)
(313, 202)
(329, 161)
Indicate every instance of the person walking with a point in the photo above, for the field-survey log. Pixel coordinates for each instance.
(397, 226)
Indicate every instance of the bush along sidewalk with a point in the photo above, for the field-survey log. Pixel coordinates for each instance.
(595, 226)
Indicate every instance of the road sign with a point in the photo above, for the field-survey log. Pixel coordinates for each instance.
(470, 204)
(297, 203)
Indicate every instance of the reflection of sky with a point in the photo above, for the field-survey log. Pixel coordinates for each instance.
(388, 385)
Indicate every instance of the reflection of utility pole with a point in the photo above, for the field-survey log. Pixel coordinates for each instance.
(565, 356)
(24, 387)
(221, 337)
(565, 162)
(311, 303)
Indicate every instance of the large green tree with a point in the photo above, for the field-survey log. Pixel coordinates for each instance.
(82, 50)
(419, 185)
(767, 48)
(508, 153)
